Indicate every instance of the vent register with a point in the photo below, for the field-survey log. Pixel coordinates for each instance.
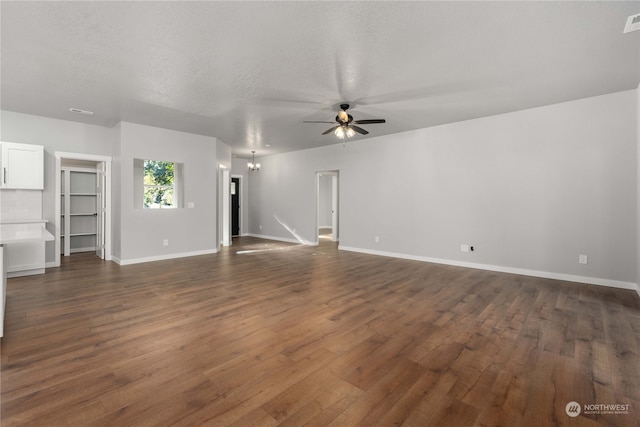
(633, 23)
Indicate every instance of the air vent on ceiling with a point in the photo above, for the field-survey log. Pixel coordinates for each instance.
(79, 111)
(633, 23)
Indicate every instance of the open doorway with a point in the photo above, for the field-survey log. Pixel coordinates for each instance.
(327, 203)
(236, 205)
(83, 205)
(230, 205)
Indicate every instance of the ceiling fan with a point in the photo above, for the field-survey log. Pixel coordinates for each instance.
(346, 127)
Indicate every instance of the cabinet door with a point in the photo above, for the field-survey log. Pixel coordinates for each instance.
(24, 257)
(3, 290)
(22, 166)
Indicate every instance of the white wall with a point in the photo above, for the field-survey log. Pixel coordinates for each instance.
(223, 207)
(116, 186)
(282, 201)
(54, 135)
(325, 186)
(531, 190)
(137, 234)
(189, 231)
(638, 194)
(223, 154)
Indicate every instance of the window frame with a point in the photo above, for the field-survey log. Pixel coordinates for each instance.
(142, 186)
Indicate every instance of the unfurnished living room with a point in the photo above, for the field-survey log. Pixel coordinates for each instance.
(318, 213)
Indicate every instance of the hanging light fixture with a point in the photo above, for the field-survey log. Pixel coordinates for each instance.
(253, 166)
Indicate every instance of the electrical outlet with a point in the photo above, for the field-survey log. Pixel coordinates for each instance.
(165, 242)
(582, 259)
(376, 239)
(191, 205)
(464, 247)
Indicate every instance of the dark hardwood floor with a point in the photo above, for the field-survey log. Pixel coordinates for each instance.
(268, 334)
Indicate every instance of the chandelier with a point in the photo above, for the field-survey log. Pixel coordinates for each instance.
(253, 166)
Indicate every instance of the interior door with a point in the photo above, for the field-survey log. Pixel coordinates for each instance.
(100, 209)
(235, 206)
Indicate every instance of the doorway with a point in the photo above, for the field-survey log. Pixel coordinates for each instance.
(83, 205)
(327, 203)
(235, 206)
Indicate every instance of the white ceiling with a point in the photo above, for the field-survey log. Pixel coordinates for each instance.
(249, 73)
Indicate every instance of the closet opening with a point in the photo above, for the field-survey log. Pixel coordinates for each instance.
(83, 208)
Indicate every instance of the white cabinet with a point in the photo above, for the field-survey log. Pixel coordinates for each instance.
(24, 259)
(21, 247)
(3, 290)
(22, 166)
(24, 247)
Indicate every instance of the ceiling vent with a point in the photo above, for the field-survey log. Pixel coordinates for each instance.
(633, 23)
(79, 111)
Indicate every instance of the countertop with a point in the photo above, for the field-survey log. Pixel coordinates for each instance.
(24, 221)
(24, 232)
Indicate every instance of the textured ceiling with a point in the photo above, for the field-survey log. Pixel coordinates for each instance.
(249, 73)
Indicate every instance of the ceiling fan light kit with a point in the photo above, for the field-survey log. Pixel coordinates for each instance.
(343, 132)
(345, 128)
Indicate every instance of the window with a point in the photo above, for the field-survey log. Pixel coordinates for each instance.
(161, 184)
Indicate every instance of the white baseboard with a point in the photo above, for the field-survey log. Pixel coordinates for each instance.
(162, 257)
(78, 250)
(501, 269)
(282, 239)
(20, 273)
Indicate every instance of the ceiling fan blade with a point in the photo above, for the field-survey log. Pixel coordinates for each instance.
(359, 130)
(315, 121)
(330, 130)
(369, 121)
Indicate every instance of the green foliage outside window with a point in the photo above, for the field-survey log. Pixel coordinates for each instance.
(158, 184)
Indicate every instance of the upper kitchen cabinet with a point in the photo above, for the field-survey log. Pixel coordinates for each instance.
(22, 166)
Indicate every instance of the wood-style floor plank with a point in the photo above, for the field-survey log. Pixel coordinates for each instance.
(268, 333)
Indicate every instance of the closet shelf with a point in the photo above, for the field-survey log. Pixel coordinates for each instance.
(79, 217)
